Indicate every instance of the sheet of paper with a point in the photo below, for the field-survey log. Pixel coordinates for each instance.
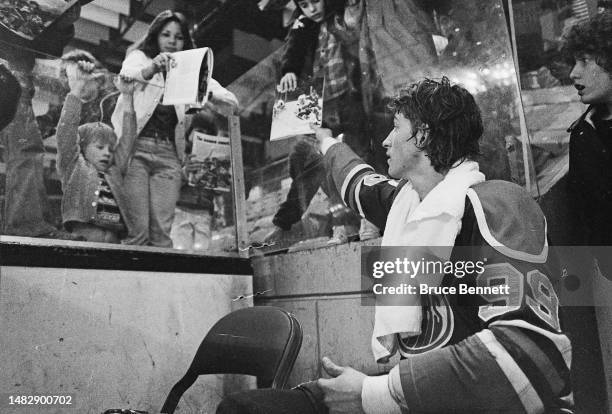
(210, 146)
(214, 152)
(184, 78)
(294, 111)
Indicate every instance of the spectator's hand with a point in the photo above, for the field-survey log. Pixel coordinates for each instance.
(79, 74)
(162, 63)
(287, 83)
(192, 165)
(125, 84)
(342, 391)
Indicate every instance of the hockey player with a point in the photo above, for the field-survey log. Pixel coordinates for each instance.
(461, 353)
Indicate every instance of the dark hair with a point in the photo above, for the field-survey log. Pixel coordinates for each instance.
(10, 91)
(331, 7)
(449, 114)
(96, 132)
(593, 37)
(206, 120)
(149, 44)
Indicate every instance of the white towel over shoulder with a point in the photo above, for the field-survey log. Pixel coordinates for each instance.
(434, 221)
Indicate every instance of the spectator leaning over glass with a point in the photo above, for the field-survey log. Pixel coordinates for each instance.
(91, 165)
(322, 36)
(153, 180)
(589, 45)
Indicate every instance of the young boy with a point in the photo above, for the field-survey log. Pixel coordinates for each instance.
(92, 164)
(589, 44)
(193, 217)
(322, 36)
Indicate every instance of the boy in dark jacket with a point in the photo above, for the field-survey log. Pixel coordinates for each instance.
(322, 40)
(589, 44)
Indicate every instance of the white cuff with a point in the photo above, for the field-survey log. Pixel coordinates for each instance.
(376, 397)
(327, 143)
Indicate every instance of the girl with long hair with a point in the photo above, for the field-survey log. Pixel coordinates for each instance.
(153, 180)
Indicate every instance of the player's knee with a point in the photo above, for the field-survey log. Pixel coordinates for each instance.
(235, 403)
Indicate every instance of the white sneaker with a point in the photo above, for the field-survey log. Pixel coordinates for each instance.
(368, 231)
(339, 235)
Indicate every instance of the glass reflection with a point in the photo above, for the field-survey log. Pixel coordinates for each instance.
(388, 45)
(383, 46)
(33, 194)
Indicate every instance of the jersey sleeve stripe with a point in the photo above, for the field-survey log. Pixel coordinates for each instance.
(560, 341)
(356, 196)
(535, 363)
(352, 194)
(517, 378)
(349, 177)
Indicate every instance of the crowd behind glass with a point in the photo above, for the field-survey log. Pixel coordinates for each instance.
(162, 196)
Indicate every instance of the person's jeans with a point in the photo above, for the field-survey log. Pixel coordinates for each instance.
(152, 183)
(25, 194)
(191, 229)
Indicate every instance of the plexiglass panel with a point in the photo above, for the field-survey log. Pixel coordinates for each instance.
(176, 204)
(384, 46)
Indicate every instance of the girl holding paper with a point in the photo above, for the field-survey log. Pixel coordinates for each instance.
(153, 180)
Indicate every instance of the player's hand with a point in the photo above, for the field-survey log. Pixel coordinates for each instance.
(287, 83)
(342, 391)
(125, 84)
(322, 134)
(79, 74)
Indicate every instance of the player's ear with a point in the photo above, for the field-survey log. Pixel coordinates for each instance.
(422, 134)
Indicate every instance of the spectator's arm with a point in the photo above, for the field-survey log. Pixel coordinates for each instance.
(125, 146)
(134, 64)
(67, 136)
(301, 40)
(218, 94)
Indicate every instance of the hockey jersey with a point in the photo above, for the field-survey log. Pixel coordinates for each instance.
(502, 226)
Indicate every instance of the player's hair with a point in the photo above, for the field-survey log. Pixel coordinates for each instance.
(149, 44)
(93, 132)
(9, 97)
(449, 116)
(593, 37)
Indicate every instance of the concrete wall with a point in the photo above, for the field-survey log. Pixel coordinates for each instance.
(111, 339)
(320, 287)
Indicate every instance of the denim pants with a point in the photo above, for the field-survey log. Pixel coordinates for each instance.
(25, 194)
(191, 229)
(152, 183)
